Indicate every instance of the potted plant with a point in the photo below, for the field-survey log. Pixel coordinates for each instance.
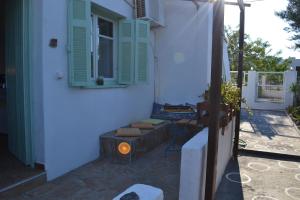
(100, 80)
(231, 98)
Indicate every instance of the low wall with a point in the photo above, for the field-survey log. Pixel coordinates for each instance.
(193, 162)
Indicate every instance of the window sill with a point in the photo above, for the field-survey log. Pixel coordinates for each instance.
(104, 86)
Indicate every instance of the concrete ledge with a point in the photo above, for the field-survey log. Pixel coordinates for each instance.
(193, 167)
(193, 162)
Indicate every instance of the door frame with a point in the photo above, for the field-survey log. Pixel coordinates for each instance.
(27, 75)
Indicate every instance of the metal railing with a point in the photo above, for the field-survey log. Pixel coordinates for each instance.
(270, 86)
(234, 76)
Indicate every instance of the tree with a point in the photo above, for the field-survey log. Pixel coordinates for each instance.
(292, 16)
(257, 54)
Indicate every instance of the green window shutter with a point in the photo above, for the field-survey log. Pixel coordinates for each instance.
(141, 51)
(126, 51)
(79, 47)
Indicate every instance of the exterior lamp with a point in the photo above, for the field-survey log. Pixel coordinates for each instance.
(124, 148)
(291, 68)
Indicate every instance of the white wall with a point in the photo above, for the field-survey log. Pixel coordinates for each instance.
(183, 52)
(225, 147)
(226, 62)
(69, 121)
(194, 161)
(37, 82)
(193, 167)
(75, 118)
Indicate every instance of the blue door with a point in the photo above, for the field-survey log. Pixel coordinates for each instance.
(17, 64)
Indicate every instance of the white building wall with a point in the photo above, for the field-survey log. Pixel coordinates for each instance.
(75, 118)
(37, 80)
(68, 121)
(183, 52)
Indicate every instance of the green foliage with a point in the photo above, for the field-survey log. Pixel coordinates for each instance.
(292, 16)
(295, 89)
(231, 96)
(294, 112)
(257, 54)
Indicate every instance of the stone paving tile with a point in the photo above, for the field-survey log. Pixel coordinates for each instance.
(278, 144)
(253, 178)
(12, 170)
(270, 131)
(264, 178)
(103, 180)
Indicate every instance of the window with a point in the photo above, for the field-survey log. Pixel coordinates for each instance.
(103, 44)
(105, 50)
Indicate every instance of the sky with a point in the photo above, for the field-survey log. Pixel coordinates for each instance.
(261, 22)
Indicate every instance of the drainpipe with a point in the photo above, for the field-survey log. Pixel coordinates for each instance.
(240, 78)
(215, 98)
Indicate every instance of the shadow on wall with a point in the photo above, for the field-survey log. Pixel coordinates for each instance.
(231, 184)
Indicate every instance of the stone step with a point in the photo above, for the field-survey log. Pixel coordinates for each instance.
(23, 186)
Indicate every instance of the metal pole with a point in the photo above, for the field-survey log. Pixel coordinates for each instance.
(239, 80)
(215, 98)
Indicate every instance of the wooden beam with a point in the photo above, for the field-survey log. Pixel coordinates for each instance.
(241, 4)
(237, 4)
(215, 99)
(196, 3)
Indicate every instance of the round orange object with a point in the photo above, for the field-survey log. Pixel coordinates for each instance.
(124, 148)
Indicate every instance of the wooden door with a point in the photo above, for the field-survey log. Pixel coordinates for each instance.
(17, 79)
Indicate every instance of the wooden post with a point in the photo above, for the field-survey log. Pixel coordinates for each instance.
(215, 98)
(240, 79)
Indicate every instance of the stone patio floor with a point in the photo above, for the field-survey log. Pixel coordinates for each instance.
(103, 180)
(264, 178)
(249, 178)
(270, 131)
(256, 175)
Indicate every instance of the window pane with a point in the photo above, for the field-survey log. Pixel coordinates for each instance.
(105, 65)
(105, 27)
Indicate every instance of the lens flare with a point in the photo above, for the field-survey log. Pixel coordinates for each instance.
(124, 148)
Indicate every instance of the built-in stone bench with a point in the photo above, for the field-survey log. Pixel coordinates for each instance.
(148, 140)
